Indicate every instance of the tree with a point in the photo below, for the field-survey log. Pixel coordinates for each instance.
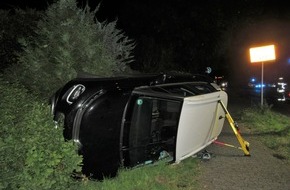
(13, 25)
(70, 41)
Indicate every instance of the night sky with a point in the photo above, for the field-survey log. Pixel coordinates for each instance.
(151, 17)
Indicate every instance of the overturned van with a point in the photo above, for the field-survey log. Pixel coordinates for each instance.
(134, 120)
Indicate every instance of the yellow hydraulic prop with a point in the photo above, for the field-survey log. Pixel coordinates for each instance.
(244, 144)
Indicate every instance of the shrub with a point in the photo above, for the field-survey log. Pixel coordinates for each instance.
(71, 41)
(33, 154)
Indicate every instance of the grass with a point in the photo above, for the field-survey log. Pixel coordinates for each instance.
(161, 176)
(272, 128)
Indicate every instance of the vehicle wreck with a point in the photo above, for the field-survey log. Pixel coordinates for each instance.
(134, 120)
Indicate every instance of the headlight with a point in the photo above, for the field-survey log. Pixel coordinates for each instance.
(74, 93)
(224, 84)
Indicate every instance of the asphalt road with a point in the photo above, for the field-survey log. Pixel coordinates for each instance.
(229, 169)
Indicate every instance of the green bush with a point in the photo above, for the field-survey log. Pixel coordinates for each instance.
(70, 41)
(33, 154)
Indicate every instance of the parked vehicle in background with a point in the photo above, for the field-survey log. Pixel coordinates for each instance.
(130, 121)
(221, 81)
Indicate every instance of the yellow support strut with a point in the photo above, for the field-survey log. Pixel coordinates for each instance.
(244, 144)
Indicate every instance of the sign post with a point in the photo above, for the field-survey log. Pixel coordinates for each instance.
(262, 54)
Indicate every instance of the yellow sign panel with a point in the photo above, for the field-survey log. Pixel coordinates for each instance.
(263, 53)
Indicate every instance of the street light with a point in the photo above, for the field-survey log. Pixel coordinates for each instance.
(262, 54)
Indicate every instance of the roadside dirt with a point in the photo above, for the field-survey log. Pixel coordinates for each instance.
(229, 169)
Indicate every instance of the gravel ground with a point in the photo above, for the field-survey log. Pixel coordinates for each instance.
(229, 169)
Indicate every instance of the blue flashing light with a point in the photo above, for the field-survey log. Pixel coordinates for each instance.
(253, 80)
(259, 85)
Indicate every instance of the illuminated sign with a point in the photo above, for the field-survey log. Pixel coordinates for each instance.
(263, 53)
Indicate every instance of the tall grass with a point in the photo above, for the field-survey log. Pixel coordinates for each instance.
(271, 127)
(162, 176)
